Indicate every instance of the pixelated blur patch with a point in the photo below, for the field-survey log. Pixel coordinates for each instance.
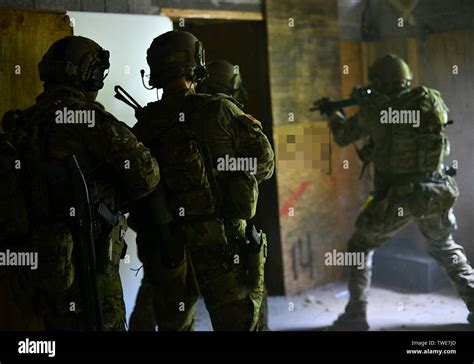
(304, 146)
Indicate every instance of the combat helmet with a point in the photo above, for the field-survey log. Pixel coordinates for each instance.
(224, 78)
(175, 54)
(390, 74)
(75, 60)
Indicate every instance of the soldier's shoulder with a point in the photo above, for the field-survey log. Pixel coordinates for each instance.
(249, 120)
(80, 103)
(149, 114)
(203, 97)
(152, 105)
(100, 110)
(11, 119)
(226, 99)
(102, 122)
(218, 99)
(213, 106)
(107, 122)
(76, 100)
(429, 98)
(425, 92)
(230, 106)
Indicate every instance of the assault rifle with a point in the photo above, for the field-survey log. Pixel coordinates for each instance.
(358, 96)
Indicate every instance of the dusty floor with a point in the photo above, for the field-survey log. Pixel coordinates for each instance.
(388, 310)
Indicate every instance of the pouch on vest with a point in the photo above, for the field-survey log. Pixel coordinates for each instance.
(256, 250)
(184, 170)
(112, 248)
(54, 243)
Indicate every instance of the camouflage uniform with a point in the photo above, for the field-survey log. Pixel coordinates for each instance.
(410, 184)
(117, 168)
(211, 242)
(143, 316)
(224, 79)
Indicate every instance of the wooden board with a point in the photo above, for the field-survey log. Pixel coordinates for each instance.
(25, 36)
(175, 14)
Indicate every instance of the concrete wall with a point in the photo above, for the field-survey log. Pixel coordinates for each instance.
(318, 198)
(378, 20)
(437, 56)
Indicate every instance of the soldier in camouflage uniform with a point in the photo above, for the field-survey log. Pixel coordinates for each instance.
(225, 78)
(117, 168)
(190, 133)
(410, 182)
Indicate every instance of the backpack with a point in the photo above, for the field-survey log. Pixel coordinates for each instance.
(183, 160)
(194, 186)
(410, 148)
(13, 209)
(25, 174)
(20, 182)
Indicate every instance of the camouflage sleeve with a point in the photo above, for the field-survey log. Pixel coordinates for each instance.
(251, 142)
(433, 108)
(131, 163)
(345, 130)
(434, 116)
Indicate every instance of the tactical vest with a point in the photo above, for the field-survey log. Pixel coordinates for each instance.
(407, 148)
(184, 160)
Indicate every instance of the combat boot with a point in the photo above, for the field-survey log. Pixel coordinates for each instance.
(352, 319)
(470, 318)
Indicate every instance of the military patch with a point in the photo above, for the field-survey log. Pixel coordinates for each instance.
(249, 119)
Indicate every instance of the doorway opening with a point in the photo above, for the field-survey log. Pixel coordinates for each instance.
(244, 43)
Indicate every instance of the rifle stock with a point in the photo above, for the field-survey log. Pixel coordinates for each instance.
(85, 239)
